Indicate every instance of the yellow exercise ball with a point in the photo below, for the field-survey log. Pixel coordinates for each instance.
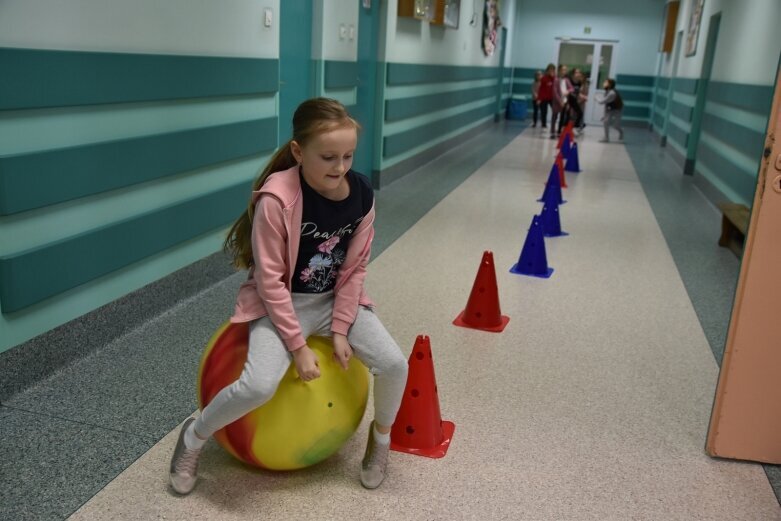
(304, 422)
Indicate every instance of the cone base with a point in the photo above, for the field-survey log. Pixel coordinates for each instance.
(573, 171)
(545, 275)
(560, 234)
(437, 451)
(459, 321)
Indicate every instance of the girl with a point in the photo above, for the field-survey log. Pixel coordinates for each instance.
(562, 88)
(545, 94)
(305, 239)
(536, 98)
(614, 107)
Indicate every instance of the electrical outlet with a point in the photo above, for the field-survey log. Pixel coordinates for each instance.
(342, 32)
(268, 17)
(352, 32)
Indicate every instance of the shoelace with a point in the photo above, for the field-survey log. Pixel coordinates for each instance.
(188, 463)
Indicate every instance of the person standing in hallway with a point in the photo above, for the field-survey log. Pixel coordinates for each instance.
(574, 98)
(305, 238)
(536, 98)
(614, 107)
(562, 88)
(545, 93)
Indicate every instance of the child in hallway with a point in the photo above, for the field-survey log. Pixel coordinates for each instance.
(308, 209)
(562, 88)
(536, 98)
(545, 94)
(614, 106)
(574, 98)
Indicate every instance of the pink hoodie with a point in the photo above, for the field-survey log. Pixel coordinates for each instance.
(276, 235)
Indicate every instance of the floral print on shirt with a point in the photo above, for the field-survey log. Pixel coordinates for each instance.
(323, 266)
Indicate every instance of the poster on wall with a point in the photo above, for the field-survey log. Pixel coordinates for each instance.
(491, 24)
(693, 31)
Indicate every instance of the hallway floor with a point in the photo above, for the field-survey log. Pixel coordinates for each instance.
(592, 404)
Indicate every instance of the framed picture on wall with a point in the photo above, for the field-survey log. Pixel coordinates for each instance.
(693, 30)
(452, 13)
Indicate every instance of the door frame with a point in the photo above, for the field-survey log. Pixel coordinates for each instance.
(593, 112)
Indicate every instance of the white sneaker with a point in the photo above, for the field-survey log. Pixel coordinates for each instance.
(375, 462)
(184, 464)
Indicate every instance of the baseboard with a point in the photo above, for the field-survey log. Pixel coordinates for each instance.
(39, 357)
(382, 178)
(677, 156)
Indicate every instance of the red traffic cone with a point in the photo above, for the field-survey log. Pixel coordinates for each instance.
(419, 428)
(560, 166)
(482, 310)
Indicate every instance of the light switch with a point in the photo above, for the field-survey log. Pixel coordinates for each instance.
(342, 32)
(352, 32)
(268, 17)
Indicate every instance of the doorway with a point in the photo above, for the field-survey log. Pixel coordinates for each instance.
(597, 61)
(296, 78)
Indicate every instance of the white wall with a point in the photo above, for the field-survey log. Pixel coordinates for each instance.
(187, 27)
(327, 42)
(748, 45)
(412, 41)
(636, 24)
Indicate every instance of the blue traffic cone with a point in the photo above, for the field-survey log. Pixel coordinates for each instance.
(566, 145)
(533, 260)
(552, 187)
(573, 165)
(551, 220)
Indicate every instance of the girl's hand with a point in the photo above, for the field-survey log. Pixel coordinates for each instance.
(343, 351)
(306, 364)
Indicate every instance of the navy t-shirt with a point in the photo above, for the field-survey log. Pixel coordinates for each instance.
(326, 229)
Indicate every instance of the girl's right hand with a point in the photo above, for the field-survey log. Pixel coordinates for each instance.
(306, 364)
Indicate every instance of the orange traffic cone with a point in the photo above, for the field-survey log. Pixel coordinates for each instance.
(419, 428)
(560, 166)
(568, 131)
(482, 310)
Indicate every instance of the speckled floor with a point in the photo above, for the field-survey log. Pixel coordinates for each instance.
(592, 404)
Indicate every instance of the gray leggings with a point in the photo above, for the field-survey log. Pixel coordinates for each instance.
(268, 359)
(612, 118)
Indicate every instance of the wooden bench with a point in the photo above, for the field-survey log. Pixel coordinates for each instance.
(734, 224)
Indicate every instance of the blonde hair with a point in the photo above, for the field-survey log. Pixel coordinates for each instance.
(312, 118)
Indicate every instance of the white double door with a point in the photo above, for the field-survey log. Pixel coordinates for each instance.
(597, 61)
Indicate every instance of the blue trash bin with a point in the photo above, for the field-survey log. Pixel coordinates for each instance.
(517, 109)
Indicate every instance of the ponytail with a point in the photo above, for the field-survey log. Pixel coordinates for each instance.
(238, 243)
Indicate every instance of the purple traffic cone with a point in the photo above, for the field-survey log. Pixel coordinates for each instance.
(533, 260)
(573, 164)
(551, 220)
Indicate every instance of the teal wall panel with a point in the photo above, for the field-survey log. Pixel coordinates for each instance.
(39, 179)
(682, 111)
(685, 85)
(635, 95)
(634, 80)
(340, 74)
(754, 98)
(658, 119)
(31, 276)
(524, 72)
(43, 78)
(661, 102)
(637, 111)
(404, 141)
(401, 108)
(662, 83)
(412, 73)
(678, 135)
(748, 141)
(737, 179)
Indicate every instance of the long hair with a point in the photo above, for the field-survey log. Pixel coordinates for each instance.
(312, 117)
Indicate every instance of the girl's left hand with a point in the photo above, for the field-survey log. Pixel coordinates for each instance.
(343, 351)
